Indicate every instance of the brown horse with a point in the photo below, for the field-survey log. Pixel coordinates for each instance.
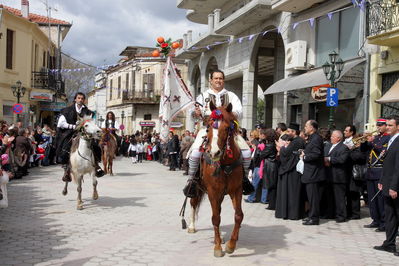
(109, 147)
(221, 172)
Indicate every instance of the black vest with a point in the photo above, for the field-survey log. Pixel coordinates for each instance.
(107, 125)
(71, 115)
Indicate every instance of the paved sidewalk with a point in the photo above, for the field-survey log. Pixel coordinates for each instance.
(136, 222)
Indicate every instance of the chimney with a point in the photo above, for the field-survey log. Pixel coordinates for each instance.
(25, 8)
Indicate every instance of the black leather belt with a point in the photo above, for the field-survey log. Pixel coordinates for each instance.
(378, 165)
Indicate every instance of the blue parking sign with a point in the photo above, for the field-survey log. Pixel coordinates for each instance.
(332, 97)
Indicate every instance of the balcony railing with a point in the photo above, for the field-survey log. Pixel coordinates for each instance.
(48, 80)
(382, 16)
(148, 96)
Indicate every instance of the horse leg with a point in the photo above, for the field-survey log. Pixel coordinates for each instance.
(104, 162)
(216, 209)
(194, 205)
(79, 189)
(95, 193)
(238, 217)
(65, 190)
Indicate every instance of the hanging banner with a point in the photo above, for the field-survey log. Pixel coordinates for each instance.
(41, 96)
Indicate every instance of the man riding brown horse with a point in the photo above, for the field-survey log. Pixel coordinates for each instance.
(218, 96)
(66, 131)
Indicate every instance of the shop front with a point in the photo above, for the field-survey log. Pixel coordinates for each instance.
(49, 111)
(147, 126)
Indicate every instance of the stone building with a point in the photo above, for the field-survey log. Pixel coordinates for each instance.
(280, 47)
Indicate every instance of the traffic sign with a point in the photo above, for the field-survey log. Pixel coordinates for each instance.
(122, 127)
(18, 108)
(332, 97)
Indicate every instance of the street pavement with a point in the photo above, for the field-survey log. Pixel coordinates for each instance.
(135, 222)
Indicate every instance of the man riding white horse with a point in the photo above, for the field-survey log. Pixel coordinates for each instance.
(219, 96)
(66, 131)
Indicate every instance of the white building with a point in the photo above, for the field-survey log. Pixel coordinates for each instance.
(259, 42)
(97, 98)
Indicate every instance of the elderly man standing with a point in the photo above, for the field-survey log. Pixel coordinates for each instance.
(336, 164)
(389, 184)
(313, 172)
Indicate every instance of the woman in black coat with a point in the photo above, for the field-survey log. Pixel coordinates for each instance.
(270, 166)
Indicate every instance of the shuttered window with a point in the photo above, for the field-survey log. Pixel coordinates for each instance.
(10, 49)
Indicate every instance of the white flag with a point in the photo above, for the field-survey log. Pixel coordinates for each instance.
(175, 97)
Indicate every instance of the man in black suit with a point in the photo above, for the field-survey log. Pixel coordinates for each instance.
(389, 184)
(313, 172)
(336, 164)
(66, 131)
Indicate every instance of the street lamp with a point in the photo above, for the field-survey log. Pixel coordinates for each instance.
(101, 119)
(18, 91)
(122, 116)
(333, 70)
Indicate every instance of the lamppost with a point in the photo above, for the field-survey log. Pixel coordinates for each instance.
(101, 119)
(333, 71)
(122, 116)
(18, 91)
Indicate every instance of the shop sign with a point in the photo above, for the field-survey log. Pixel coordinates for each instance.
(147, 123)
(319, 93)
(41, 96)
(176, 124)
(52, 106)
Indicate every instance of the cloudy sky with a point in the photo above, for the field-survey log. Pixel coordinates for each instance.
(103, 28)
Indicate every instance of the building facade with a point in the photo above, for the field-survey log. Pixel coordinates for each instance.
(133, 90)
(28, 58)
(266, 44)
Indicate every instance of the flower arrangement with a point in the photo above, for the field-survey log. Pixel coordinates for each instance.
(165, 46)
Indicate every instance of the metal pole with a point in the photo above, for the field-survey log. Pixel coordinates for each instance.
(332, 108)
(18, 101)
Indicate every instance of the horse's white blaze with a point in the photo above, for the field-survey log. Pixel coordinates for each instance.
(214, 143)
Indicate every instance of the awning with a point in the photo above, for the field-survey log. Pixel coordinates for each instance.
(309, 79)
(392, 95)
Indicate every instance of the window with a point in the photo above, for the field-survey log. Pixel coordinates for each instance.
(111, 87)
(148, 84)
(8, 114)
(119, 87)
(147, 117)
(133, 81)
(9, 49)
(127, 82)
(44, 59)
(340, 34)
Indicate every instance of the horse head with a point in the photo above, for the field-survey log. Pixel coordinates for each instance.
(224, 123)
(88, 127)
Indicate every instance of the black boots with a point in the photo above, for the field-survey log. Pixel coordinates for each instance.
(67, 174)
(99, 171)
(247, 187)
(191, 188)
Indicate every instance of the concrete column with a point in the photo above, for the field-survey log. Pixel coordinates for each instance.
(185, 44)
(210, 23)
(189, 37)
(216, 14)
(248, 116)
(278, 109)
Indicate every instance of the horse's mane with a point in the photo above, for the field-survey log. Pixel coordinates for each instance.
(83, 120)
(75, 144)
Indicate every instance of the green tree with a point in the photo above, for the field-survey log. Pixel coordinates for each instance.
(260, 110)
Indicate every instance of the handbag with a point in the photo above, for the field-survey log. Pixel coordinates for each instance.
(359, 172)
(300, 166)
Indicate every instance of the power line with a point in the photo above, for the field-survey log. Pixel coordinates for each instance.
(77, 60)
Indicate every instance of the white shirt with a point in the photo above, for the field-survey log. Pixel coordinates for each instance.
(132, 147)
(348, 142)
(140, 147)
(117, 126)
(233, 99)
(62, 123)
(392, 139)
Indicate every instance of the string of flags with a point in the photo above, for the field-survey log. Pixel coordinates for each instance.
(356, 3)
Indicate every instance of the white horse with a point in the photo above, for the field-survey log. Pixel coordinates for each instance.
(82, 157)
(3, 186)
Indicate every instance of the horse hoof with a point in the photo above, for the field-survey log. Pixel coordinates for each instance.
(95, 197)
(79, 208)
(228, 249)
(64, 192)
(218, 253)
(191, 230)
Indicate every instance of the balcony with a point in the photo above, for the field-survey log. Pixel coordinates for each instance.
(198, 10)
(48, 81)
(247, 14)
(383, 23)
(141, 97)
(294, 6)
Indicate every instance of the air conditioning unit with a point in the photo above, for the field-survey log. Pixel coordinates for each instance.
(295, 57)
